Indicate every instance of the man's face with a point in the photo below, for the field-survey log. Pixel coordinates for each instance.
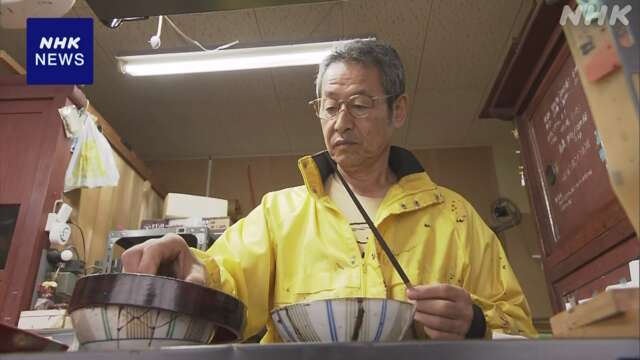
(357, 142)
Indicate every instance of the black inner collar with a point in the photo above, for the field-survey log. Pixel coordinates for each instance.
(401, 161)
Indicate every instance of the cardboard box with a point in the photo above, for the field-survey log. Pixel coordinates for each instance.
(186, 206)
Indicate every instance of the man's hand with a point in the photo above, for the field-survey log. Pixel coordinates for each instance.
(169, 252)
(445, 311)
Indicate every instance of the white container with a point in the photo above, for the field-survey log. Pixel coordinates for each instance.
(44, 319)
(185, 206)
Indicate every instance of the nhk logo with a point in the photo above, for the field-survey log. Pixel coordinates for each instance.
(60, 51)
(589, 12)
(59, 59)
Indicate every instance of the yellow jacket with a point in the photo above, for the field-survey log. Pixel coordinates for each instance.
(296, 245)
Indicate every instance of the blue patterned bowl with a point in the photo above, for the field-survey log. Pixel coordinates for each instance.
(344, 320)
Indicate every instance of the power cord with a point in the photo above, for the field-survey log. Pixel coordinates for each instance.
(184, 36)
(84, 245)
(156, 42)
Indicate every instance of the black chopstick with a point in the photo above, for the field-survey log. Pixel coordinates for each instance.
(374, 229)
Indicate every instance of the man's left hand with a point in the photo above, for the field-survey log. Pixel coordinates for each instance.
(444, 310)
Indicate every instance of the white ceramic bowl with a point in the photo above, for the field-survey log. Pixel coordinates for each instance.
(138, 312)
(344, 320)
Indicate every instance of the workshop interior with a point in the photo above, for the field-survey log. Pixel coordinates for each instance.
(125, 124)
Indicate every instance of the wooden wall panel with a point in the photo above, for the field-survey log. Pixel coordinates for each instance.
(469, 171)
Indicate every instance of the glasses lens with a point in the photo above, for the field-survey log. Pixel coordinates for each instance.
(328, 108)
(359, 105)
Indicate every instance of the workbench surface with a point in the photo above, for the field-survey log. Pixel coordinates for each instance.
(600, 349)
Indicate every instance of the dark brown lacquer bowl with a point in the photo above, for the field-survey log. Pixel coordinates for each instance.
(124, 311)
(13, 339)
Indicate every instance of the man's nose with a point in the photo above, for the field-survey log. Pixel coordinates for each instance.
(344, 119)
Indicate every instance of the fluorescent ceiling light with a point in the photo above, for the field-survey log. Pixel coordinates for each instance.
(226, 60)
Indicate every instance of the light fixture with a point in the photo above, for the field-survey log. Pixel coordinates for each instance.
(114, 23)
(226, 60)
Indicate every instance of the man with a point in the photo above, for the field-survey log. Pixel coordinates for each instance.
(307, 242)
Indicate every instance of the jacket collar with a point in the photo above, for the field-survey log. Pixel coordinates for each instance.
(315, 170)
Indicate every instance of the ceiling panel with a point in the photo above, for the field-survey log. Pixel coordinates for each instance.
(199, 114)
(304, 23)
(465, 46)
(210, 29)
(126, 9)
(465, 41)
(452, 50)
(230, 114)
(490, 131)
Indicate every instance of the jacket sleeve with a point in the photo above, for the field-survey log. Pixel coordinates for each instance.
(490, 280)
(241, 263)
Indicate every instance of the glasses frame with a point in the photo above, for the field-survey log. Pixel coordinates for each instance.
(315, 104)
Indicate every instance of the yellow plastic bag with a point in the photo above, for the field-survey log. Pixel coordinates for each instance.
(92, 163)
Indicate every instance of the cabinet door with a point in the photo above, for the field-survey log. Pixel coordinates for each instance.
(578, 214)
(8, 219)
(34, 154)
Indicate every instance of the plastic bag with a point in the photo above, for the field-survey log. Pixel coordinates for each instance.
(92, 163)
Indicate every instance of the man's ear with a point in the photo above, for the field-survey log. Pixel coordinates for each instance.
(399, 115)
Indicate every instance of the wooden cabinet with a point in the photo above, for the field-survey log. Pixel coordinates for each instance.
(34, 154)
(586, 237)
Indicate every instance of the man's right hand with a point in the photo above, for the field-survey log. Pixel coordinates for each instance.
(170, 250)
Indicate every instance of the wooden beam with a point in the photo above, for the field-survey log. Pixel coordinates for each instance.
(12, 63)
(526, 62)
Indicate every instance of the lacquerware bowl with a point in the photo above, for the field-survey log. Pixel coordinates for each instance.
(344, 320)
(127, 311)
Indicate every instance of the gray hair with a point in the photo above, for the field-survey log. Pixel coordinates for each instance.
(369, 52)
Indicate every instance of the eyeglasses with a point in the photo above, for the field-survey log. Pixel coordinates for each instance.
(358, 106)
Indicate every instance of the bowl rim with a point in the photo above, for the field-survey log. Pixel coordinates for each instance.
(140, 290)
(282, 307)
